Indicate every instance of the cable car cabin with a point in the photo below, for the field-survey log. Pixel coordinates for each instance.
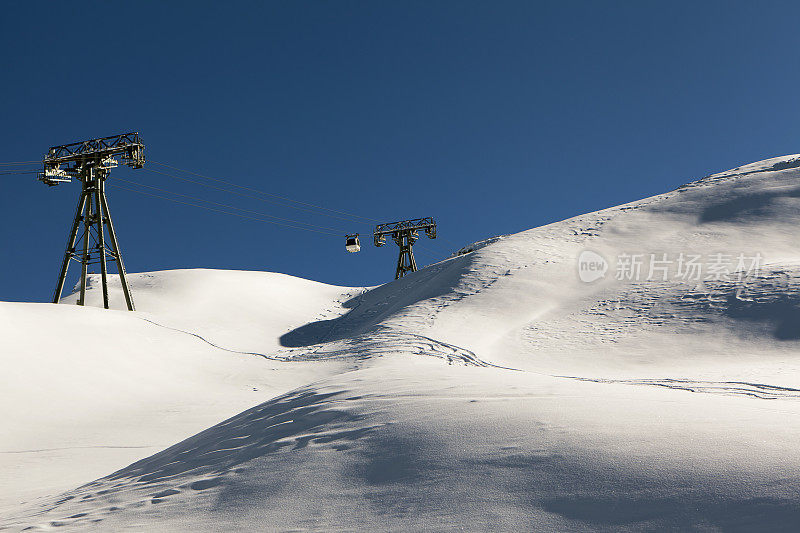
(352, 244)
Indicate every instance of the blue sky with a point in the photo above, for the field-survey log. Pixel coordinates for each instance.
(493, 117)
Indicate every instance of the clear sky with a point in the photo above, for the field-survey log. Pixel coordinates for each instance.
(492, 116)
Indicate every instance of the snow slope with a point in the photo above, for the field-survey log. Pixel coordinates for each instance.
(103, 388)
(492, 391)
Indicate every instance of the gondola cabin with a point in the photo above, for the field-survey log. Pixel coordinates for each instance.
(352, 244)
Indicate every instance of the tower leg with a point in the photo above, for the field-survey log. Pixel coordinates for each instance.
(112, 235)
(399, 272)
(401, 260)
(406, 262)
(87, 228)
(101, 239)
(73, 234)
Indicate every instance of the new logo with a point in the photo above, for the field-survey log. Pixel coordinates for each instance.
(591, 266)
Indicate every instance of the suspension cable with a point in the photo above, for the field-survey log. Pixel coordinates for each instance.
(221, 210)
(284, 198)
(259, 213)
(21, 171)
(9, 170)
(424, 249)
(17, 163)
(245, 195)
(267, 194)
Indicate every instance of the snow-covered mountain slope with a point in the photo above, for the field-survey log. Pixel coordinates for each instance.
(629, 369)
(84, 391)
(240, 310)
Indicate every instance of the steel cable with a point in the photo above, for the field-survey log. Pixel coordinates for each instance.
(283, 198)
(222, 211)
(259, 213)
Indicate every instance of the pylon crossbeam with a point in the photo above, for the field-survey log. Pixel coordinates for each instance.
(126, 144)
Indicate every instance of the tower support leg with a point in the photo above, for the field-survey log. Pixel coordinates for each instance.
(101, 246)
(399, 272)
(87, 228)
(70, 251)
(112, 235)
(406, 262)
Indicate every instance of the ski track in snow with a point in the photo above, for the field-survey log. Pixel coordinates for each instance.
(364, 347)
(741, 388)
(773, 285)
(203, 339)
(387, 342)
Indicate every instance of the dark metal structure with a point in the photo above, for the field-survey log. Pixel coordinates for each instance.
(90, 162)
(405, 233)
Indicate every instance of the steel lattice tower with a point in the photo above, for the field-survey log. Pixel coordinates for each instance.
(405, 233)
(90, 162)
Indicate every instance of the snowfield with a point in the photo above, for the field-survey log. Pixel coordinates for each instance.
(494, 391)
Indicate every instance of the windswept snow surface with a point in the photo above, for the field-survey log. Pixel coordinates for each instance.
(501, 389)
(84, 391)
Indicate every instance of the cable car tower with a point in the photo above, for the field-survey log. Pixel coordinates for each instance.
(405, 233)
(90, 162)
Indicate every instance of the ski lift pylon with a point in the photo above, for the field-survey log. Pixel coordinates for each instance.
(351, 243)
